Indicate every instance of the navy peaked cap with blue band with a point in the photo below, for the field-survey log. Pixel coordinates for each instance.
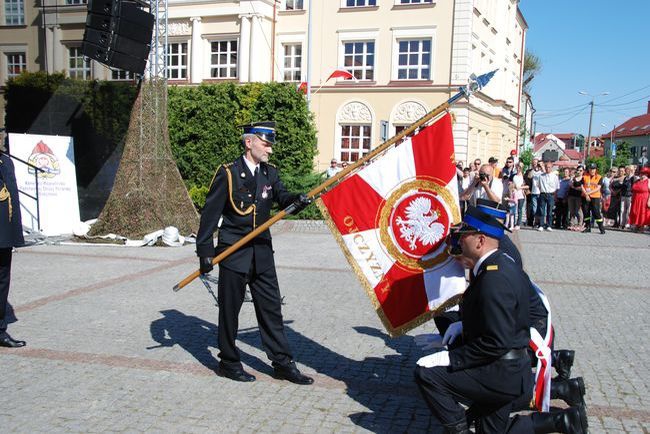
(475, 220)
(263, 130)
(495, 209)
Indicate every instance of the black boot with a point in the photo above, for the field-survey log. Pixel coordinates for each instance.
(457, 428)
(587, 229)
(570, 391)
(601, 227)
(562, 361)
(569, 421)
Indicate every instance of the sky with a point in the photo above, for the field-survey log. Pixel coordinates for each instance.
(595, 46)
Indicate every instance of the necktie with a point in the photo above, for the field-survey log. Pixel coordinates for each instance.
(256, 177)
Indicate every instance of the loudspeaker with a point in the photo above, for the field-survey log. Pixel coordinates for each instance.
(118, 34)
(104, 7)
(130, 47)
(126, 62)
(96, 52)
(97, 37)
(99, 22)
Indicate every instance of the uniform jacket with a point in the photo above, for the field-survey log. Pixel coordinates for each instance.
(11, 227)
(495, 315)
(243, 205)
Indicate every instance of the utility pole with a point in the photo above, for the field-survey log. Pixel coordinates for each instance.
(591, 115)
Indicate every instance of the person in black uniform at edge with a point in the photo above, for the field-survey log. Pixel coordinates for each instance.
(11, 235)
(563, 386)
(571, 420)
(241, 195)
(491, 367)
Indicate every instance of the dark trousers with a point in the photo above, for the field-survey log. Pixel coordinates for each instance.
(561, 214)
(266, 298)
(546, 209)
(5, 277)
(444, 390)
(591, 211)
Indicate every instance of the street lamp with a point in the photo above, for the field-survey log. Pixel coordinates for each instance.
(591, 115)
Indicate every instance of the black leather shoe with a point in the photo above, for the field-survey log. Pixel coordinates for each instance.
(9, 342)
(291, 373)
(562, 362)
(569, 421)
(571, 391)
(236, 375)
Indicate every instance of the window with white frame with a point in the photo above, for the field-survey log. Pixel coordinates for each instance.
(414, 59)
(223, 59)
(177, 61)
(292, 62)
(355, 142)
(411, 2)
(359, 3)
(119, 74)
(78, 66)
(16, 63)
(14, 13)
(294, 5)
(359, 59)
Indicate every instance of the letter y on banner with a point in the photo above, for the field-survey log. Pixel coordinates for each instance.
(391, 219)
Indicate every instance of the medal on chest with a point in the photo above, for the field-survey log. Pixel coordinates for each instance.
(266, 190)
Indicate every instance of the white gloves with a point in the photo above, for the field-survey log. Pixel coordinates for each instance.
(454, 330)
(428, 341)
(441, 358)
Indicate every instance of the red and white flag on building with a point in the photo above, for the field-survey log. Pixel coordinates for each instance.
(341, 73)
(391, 219)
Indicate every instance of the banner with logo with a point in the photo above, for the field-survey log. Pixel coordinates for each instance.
(391, 219)
(57, 182)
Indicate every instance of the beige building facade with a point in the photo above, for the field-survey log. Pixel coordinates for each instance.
(407, 57)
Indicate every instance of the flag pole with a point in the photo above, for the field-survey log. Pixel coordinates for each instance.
(474, 85)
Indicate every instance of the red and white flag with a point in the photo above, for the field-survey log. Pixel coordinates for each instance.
(341, 73)
(391, 219)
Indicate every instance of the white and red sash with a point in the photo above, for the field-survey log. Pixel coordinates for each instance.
(542, 348)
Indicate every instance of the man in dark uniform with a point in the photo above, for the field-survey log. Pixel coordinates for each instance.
(491, 368)
(241, 196)
(11, 235)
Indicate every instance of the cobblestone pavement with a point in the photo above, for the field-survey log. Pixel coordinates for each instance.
(112, 348)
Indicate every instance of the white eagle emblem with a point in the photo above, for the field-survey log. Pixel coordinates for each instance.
(421, 224)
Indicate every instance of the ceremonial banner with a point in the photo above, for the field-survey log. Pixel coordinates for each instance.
(57, 183)
(391, 219)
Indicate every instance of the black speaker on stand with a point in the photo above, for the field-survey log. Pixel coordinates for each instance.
(118, 34)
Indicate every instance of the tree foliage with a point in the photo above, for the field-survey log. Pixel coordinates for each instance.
(623, 154)
(532, 68)
(204, 127)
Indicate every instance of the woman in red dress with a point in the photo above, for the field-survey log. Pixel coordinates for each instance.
(640, 209)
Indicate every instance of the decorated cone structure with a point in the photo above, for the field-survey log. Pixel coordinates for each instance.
(148, 193)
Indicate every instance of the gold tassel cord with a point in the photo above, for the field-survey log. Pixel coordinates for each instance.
(5, 195)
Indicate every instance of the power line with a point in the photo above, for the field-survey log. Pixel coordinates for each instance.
(564, 121)
(624, 95)
(624, 103)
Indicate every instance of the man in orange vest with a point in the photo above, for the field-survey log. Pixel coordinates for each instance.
(593, 183)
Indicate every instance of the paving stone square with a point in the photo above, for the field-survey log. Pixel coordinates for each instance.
(111, 348)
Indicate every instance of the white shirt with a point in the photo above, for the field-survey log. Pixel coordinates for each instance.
(535, 187)
(496, 185)
(251, 166)
(480, 261)
(548, 183)
(331, 171)
(518, 180)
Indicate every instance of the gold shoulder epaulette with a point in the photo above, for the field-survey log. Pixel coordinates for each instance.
(226, 165)
(492, 267)
(272, 165)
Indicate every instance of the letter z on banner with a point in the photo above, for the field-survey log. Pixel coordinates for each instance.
(391, 219)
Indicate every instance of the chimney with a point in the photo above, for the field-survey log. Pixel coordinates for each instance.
(649, 107)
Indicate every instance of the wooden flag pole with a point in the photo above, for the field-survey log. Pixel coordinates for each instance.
(475, 84)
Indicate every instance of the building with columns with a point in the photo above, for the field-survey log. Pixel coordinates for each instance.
(407, 57)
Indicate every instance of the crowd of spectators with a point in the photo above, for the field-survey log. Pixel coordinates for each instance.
(545, 197)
